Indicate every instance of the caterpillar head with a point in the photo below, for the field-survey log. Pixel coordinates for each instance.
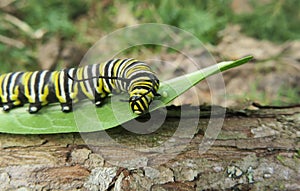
(140, 100)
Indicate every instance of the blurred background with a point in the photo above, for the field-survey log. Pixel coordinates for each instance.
(56, 34)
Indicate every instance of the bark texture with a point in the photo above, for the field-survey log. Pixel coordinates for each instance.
(255, 150)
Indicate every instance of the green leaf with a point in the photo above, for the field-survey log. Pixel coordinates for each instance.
(87, 118)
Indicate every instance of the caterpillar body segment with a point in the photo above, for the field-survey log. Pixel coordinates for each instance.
(94, 82)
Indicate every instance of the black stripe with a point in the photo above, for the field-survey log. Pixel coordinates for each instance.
(82, 77)
(2, 84)
(106, 73)
(9, 84)
(18, 79)
(46, 80)
(73, 75)
(98, 74)
(122, 83)
(58, 82)
(131, 65)
(28, 84)
(141, 101)
(18, 82)
(144, 87)
(147, 74)
(66, 86)
(134, 104)
(113, 82)
(135, 81)
(90, 75)
(36, 86)
(88, 82)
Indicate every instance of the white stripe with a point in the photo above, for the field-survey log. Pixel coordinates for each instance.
(122, 67)
(137, 64)
(141, 77)
(5, 93)
(33, 80)
(102, 74)
(86, 76)
(41, 84)
(110, 70)
(61, 84)
(94, 73)
(13, 84)
(70, 81)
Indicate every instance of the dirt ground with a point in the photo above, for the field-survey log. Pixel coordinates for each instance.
(272, 77)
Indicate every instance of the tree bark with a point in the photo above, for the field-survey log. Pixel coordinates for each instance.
(255, 150)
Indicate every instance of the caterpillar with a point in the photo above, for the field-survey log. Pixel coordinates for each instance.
(94, 82)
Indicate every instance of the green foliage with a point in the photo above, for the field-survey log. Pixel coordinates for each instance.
(49, 18)
(297, 154)
(280, 158)
(54, 16)
(277, 20)
(13, 59)
(287, 95)
(52, 120)
(202, 18)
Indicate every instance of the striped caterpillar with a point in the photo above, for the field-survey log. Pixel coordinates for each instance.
(94, 82)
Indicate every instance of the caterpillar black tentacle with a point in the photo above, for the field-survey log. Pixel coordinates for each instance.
(94, 77)
(94, 82)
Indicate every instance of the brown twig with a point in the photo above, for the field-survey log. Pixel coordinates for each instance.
(11, 42)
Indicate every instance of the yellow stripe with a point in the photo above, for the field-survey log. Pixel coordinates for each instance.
(73, 95)
(84, 90)
(99, 88)
(25, 81)
(73, 88)
(5, 86)
(56, 82)
(2, 77)
(125, 66)
(45, 95)
(15, 96)
(102, 87)
(115, 68)
(13, 89)
(102, 70)
(137, 68)
(132, 69)
(141, 105)
(45, 89)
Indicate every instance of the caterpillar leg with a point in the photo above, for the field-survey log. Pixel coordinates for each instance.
(66, 107)
(10, 105)
(10, 93)
(65, 88)
(99, 99)
(36, 89)
(7, 106)
(34, 107)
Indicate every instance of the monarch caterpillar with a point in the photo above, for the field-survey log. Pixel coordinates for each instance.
(94, 82)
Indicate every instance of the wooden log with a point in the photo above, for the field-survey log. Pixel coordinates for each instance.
(255, 150)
